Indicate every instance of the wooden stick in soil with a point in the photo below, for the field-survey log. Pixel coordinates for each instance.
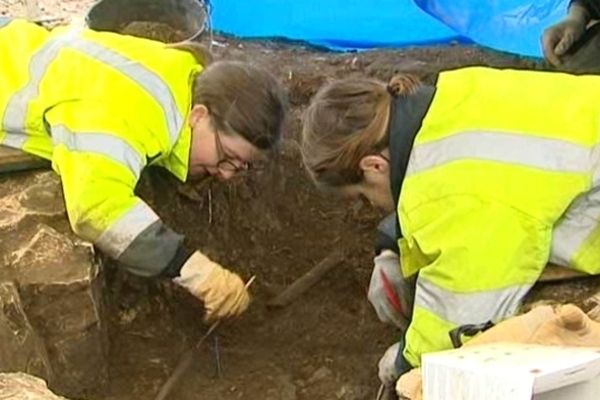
(307, 280)
(187, 358)
(380, 392)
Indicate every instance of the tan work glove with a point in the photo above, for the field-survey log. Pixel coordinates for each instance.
(566, 326)
(569, 327)
(409, 386)
(221, 290)
(520, 329)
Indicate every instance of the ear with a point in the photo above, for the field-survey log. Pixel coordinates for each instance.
(374, 163)
(198, 112)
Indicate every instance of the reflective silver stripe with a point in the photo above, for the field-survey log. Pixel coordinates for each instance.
(15, 114)
(147, 79)
(536, 152)
(576, 225)
(117, 238)
(13, 140)
(104, 144)
(469, 308)
(16, 110)
(4, 21)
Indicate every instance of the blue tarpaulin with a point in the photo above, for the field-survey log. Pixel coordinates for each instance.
(507, 25)
(335, 24)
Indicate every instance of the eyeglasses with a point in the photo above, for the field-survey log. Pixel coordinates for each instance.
(227, 163)
(386, 158)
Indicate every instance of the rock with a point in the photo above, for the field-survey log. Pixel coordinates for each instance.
(38, 194)
(319, 375)
(61, 293)
(20, 386)
(592, 304)
(44, 196)
(21, 349)
(282, 388)
(352, 392)
(57, 282)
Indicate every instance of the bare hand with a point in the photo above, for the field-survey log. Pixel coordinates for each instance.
(559, 38)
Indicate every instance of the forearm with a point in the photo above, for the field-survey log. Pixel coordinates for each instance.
(156, 251)
(387, 234)
(135, 237)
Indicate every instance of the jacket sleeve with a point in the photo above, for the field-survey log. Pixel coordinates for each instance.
(592, 6)
(476, 260)
(387, 234)
(99, 169)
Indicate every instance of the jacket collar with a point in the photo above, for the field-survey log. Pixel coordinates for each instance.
(407, 114)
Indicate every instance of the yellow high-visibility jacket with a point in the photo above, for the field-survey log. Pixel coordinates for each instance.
(503, 177)
(100, 107)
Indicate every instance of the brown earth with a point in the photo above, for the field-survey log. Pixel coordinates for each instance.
(274, 224)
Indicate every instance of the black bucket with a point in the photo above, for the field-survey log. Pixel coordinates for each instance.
(168, 21)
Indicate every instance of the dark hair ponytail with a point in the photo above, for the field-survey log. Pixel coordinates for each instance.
(403, 85)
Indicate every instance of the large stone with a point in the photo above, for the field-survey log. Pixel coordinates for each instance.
(61, 291)
(19, 386)
(58, 281)
(36, 195)
(21, 349)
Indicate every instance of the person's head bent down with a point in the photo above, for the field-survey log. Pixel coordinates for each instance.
(237, 114)
(345, 137)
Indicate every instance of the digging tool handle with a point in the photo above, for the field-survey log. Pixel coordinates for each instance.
(307, 280)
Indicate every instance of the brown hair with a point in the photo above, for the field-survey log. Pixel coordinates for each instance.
(242, 99)
(346, 121)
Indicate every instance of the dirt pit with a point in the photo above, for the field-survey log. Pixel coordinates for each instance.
(275, 225)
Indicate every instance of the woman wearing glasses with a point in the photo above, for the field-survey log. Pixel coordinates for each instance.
(102, 106)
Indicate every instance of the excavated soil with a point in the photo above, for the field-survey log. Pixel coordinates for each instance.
(275, 225)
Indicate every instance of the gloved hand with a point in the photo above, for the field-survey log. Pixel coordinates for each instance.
(388, 364)
(388, 290)
(566, 326)
(559, 38)
(569, 327)
(520, 329)
(221, 290)
(409, 386)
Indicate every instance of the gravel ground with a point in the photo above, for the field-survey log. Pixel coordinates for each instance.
(45, 9)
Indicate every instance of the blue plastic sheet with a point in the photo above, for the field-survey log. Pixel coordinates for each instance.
(508, 25)
(335, 24)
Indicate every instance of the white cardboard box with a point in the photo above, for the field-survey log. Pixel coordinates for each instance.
(512, 371)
